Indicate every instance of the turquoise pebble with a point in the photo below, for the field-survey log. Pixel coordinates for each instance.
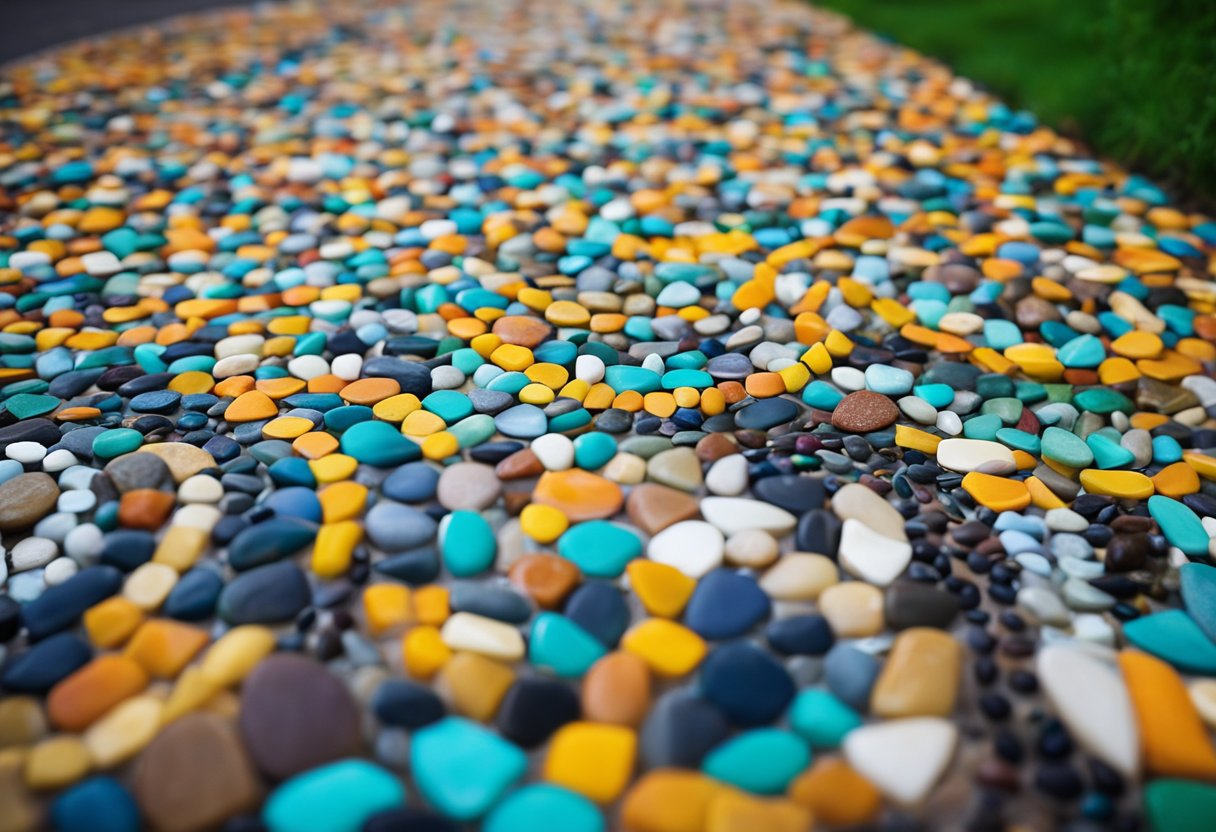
(821, 395)
(562, 647)
(469, 545)
(116, 442)
(1066, 448)
(543, 806)
(338, 797)
(474, 430)
(461, 768)
(1166, 450)
(1019, 440)
(1198, 584)
(1084, 351)
(621, 378)
(1108, 454)
(938, 395)
(763, 760)
(25, 405)
(821, 719)
(448, 405)
(678, 295)
(1103, 401)
(686, 378)
(378, 444)
(1181, 526)
(599, 548)
(571, 420)
(1173, 636)
(593, 451)
(982, 427)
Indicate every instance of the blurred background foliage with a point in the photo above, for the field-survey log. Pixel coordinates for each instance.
(1133, 79)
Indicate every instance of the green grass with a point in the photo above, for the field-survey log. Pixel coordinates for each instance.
(1133, 79)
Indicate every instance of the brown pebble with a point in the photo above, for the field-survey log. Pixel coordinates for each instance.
(19, 812)
(547, 579)
(617, 690)
(713, 447)
(26, 499)
(519, 465)
(864, 411)
(296, 715)
(522, 330)
(653, 507)
(195, 775)
(145, 508)
(21, 721)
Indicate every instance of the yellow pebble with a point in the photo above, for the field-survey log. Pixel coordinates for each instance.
(1137, 344)
(916, 440)
(512, 358)
(387, 606)
(334, 547)
(440, 445)
(56, 762)
(422, 423)
(662, 589)
(567, 313)
(181, 547)
(287, 427)
(1130, 485)
(577, 390)
(795, 377)
(538, 394)
(670, 649)
(432, 604)
(552, 376)
(192, 382)
(236, 654)
(544, 524)
(838, 344)
(123, 731)
(333, 468)
(423, 652)
(591, 758)
(599, 397)
(686, 396)
(1042, 496)
(111, 622)
(396, 408)
(713, 401)
(343, 501)
(818, 359)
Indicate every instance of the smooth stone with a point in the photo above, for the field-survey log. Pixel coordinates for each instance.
(766, 414)
(1174, 636)
(1180, 525)
(535, 707)
(1043, 605)
(920, 676)
(692, 546)
(748, 685)
(340, 797)
(25, 499)
(904, 758)
(653, 507)
(59, 607)
(600, 549)
(912, 604)
(43, 665)
(468, 543)
(98, 804)
(269, 541)
(850, 674)
(139, 470)
(680, 730)
(414, 482)
(1197, 583)
(726, 604)
(821, 719)
(616, 690)
(761, 761)
(269, 594)
(463, 769)
(562, 647)
(736, 514)
(727, 477)
(1178, 805)
(854, 609)
(967, 455)
(195, 775)
(394, 527)
(599, 607)
(864, 411)
(867, 554)
(478, 634)
(296, 715)
(1090, 698)
(796, 494)
(856, 502)
(402, 703)
(545, 806)
(468, 486)
(378, 444)
(800, 635)
(677, 468)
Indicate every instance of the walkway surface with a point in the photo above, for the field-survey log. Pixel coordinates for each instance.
(584, 416)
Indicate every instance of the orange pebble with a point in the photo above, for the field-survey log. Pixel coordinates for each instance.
(162, 647)
(145, 508)
(82, 698)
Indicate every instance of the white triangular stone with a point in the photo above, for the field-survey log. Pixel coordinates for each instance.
(903, 758)
(856, 502)
(866, 554)
(1091, 700)
(692, 546)
(737, 514)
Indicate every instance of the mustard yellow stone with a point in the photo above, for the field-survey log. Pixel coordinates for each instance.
(593, 759)
(818, 359)
(838, 344)
(735, 811)
(567, 313)
(110, 623)
(662, 589)
(474, 685)
(343, 501)
(440, 445)
(236, 653)
(422, 423)
(432, 604)
(512, 357)
(916, 440)
(544, 524)
(669, 800)
(423, 652)
(552, 376)
(537, 394)
(1130, 485)
(997, 493)
(57, 762)
(181, 547)
(1137, 344)
(387, 606)
(123, 731)
(286, 427)
(333, 468)
(192, 382)
(920, 676)
(192, 691)
(670, 649)
(334, 547)
(396, 408)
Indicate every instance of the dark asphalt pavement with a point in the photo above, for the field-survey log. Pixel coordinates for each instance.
(29, 26)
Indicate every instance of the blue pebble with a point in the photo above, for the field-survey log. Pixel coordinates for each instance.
(99, 804)
(726, 604)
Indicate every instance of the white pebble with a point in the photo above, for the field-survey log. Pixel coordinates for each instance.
(308, 367)
(26, 453)
(59, 460)
(200, 489)
(347, 367)
(83, 543)
(589, 368)
(59, 570)
(32, 553)
(446, 378)
(555, 451)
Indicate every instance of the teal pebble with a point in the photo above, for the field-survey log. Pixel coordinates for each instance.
(1108, 454)
(1166, 450)
(1173, 636)
(982, 427)
(474, 430)
(686, 378)
(1102, 401)
(821, 719)
(938, 395)
(821, 395)
(763, 760)
(557, 644)
(448, 405)
(593, 451)
(621, 378)
(599, 548)
(461, 768)
(545, 806)
(339, 797)
(1084, 351)
(469, 545)
(116, 442)
(1019, 440)
(1066, 448)
(378, 444)
(1181, 526)
(25, 405)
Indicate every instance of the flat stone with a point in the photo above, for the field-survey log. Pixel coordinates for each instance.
(854, 609)
(864, 411)
(25, 499)
(1091, 700)
(913, 604)
(736, 514)
(341, 796)
(468, 486)
(920, 676)
(616, 690)
(653, 507)
(692, 546)
(904, 758)
(870, 556)
(856, 502)
(462, 769)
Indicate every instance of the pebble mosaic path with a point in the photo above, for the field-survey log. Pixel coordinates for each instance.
(589, 415)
